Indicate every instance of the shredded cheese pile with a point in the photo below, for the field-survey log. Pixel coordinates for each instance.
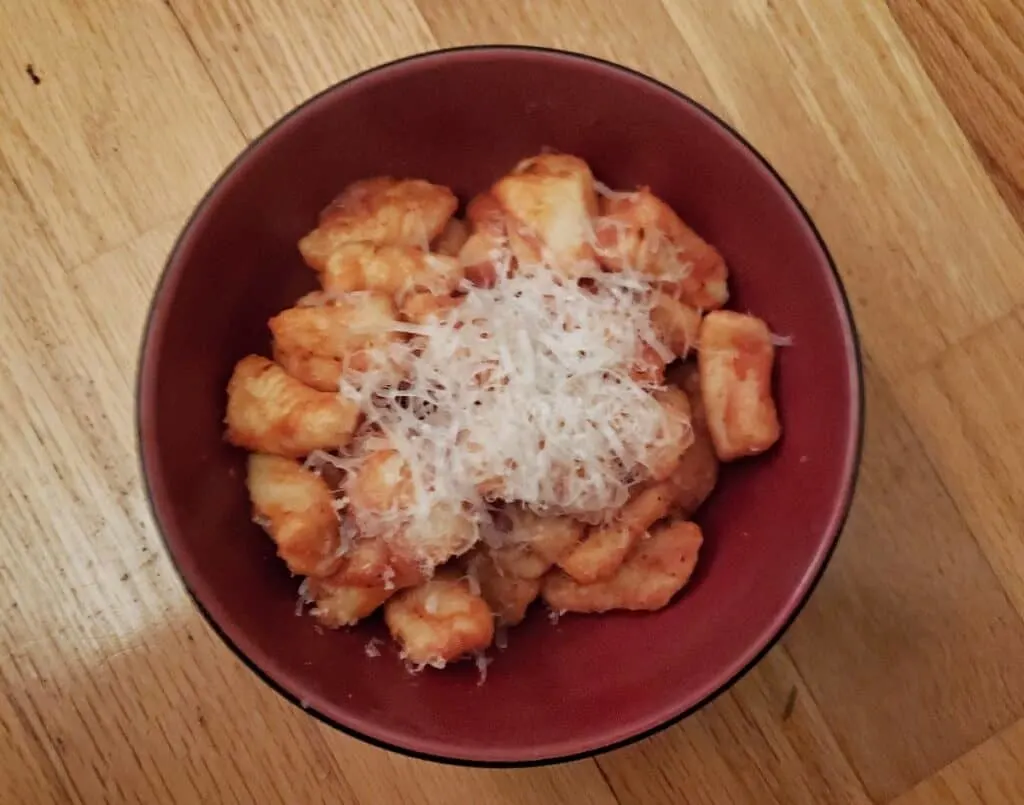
(522, 393)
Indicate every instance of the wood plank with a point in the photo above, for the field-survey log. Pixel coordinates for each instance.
(909, 646)
(119, 130)
(835, 98)
(967, 411)
(266, 56)
(975, 57)
(763, 742)
(152, 721)
(639, 35)
(991, 774)
(28, 774)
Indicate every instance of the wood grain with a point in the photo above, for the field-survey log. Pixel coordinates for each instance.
(967, 409)
(119, 130)
(898, 124)
(991, 774)
(892, 605)
(974, 53)
(267, 57)
(834, 98)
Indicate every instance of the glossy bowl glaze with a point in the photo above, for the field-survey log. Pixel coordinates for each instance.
(461, 118)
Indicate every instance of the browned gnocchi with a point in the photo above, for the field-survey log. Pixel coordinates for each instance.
(382, 211)
(533, 543)
(389, 269)
(320, 344)
(296, 508)
(550, 203)
(657, 570)
(529, 402)
(508, 595)
(269, 411)
(440, 621)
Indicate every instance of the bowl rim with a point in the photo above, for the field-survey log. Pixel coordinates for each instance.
(786, 616)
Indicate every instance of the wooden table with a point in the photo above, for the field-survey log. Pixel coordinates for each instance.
(900, 125)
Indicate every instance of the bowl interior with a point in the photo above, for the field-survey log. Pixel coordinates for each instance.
(462, 118)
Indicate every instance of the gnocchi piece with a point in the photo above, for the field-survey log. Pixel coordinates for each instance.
(370, 562)
(382, 211)
(320, 344)
(381, 494)
(315, 299)
(295, 508)
(452, 238)
(647, 580)
(605, 548)
(423, 306)
(507, 596)
(649, 366)
(392, 270)
(479, 256)
(534, 543)
(446, 531)
(697, 473)
(735, 361)
(665, 458)
(382, 484)
(550, 201)
(269, 411)
(440, 621)
(337, 604)
(675, 323)
(640, 231)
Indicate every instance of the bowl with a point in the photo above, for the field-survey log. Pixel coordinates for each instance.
(463, 117)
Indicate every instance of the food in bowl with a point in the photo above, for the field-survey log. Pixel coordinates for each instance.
(473, 414)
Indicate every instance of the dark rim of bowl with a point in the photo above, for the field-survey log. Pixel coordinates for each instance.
(853, 470)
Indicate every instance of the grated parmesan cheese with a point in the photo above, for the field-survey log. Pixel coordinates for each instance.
(523, 392)
(372, 647)
(604, 190)
(303, 599)
(482, 661)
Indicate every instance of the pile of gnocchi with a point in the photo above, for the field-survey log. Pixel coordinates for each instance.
(333, 487)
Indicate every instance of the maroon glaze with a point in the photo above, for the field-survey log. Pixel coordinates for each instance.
(462, 118)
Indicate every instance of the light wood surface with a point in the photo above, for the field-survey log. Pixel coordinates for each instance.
(899, 124)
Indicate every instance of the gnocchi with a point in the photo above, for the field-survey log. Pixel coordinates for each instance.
(641, 231)
(382, 211)
(550, 202)
(319, 344)
(655, 571)
(439, 621)
(269, 411)
(335, 423)
(295, 507)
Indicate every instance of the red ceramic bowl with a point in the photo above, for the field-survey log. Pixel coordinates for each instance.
(461, 118)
